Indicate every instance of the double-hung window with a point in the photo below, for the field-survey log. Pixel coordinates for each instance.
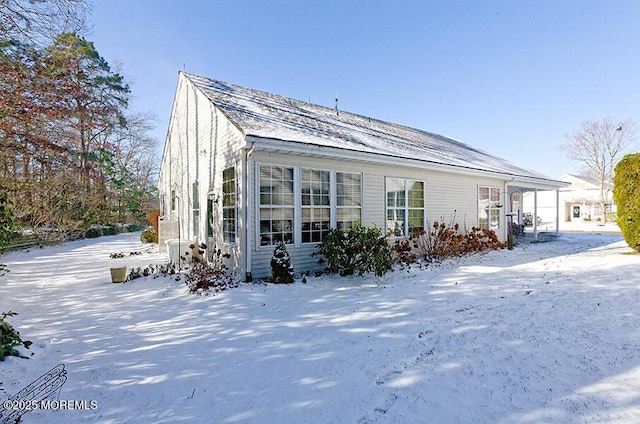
(405, 206)
(489, 207)
(348, 200)
(316, 205)
(229, 205)
(276, 205)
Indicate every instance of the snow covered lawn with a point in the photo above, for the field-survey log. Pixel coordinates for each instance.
(548, 332)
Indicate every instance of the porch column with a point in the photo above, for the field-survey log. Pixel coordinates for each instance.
(535, 214)
(557, 212)
(520, 206)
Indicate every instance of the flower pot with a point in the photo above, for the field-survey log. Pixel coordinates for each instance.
(118, 275)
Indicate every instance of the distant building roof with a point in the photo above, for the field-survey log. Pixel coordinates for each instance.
(584, 182)
(271, 116)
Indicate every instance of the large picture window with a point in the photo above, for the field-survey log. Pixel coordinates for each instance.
(276, 205)
(489, 208)
(348, 200)
(229, 205)
(316, 205)
(405, 206)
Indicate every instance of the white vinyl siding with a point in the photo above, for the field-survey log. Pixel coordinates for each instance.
(201, 143)
(450, 198)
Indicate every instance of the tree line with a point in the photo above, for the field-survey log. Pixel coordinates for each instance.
(71, 154)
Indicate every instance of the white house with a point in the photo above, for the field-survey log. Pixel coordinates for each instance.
(243, 169)
(579, 201)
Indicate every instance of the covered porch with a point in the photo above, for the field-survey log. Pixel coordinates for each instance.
(528, 224)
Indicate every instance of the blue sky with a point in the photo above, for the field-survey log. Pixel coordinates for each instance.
(510, 77)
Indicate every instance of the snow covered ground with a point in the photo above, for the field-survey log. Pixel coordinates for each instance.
(546, 333)
(584, 226)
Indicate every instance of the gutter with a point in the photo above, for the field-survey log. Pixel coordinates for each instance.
(307, 149)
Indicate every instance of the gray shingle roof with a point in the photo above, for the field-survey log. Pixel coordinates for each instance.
(261, 114)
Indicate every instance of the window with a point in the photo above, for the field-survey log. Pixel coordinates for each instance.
(300, 205)
(276, 205)
(405, 206)
(515, 202)
(173, 200)
(316, 206)
(195, 206)
(597, 209)
(229, 205)
(348, 200)
(489, 208)
(210, 221)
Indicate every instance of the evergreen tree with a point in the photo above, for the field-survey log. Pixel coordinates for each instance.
(626, 193)
(92, 100)
(281, 269)
(7, 226)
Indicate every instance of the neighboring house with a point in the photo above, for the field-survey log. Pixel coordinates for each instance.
(243, 170)
(579, 201)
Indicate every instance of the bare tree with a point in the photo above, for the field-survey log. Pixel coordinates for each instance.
(134, 167)
(39, 21)
(599, 145)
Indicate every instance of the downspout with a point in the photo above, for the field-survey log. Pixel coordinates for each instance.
(247, 214)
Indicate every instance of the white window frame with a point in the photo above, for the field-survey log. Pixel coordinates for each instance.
(195, 208)
(343, 207)
(311, 207)
(405, 208)
(232, 207)
(296, 214)
(297, 201)
(493, 205)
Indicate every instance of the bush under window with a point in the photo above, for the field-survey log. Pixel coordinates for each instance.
(358, 250)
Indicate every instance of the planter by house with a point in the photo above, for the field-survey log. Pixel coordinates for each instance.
(118, 275)
(177, 248)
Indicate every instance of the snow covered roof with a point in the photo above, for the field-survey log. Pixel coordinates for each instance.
(582, 182)
(261, 114)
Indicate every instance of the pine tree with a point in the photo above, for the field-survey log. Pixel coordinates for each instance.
(281, 269)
